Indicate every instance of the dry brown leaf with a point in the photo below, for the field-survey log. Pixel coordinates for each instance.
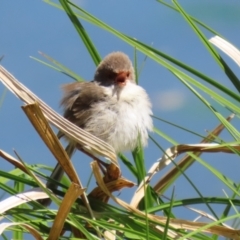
(48, 136)
(89, 142)
(175, 223)
(206, 215)
(171, 154)
(42, 127)
(187, 160)
(13, 161)
(112, 186)
(109, 235)
(171, 233)
(70, 197)
(21, 198)
(227, 47)
(31, 230)
(21, 166)
(112, 173)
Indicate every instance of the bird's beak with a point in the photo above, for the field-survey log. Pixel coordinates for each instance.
(121, 79)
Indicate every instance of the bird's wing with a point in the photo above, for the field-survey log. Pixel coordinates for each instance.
(78, 100)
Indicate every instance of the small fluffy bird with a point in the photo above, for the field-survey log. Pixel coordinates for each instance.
(112, 106)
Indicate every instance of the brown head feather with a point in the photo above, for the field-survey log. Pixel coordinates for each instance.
(111, 65)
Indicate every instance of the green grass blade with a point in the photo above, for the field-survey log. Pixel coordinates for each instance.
(233, 78)
(181, 171)
(19, 187)
(192, 18)
(138, 157)
(153, 53)
(168, 217)
(129, 165)
(204, 88)
(81, 31)
(63, 69)
(178, 126)
(144, 48)
(135, 64)
(194, 201)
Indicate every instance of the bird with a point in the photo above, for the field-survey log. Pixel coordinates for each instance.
(112, 107)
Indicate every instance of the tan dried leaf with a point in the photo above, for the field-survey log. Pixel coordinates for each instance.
(227, 48)
(31, 230)
(21, 198)
(89, 142)
(70, 197)
(175, 223)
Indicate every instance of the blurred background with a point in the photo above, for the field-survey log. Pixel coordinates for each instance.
(27, 27)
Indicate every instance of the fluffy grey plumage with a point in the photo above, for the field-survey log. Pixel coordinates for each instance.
(112, 107)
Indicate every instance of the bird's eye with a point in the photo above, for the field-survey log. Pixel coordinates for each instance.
(128, 74)
(111, 75)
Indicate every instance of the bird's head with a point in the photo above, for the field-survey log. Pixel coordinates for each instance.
(115, 70)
